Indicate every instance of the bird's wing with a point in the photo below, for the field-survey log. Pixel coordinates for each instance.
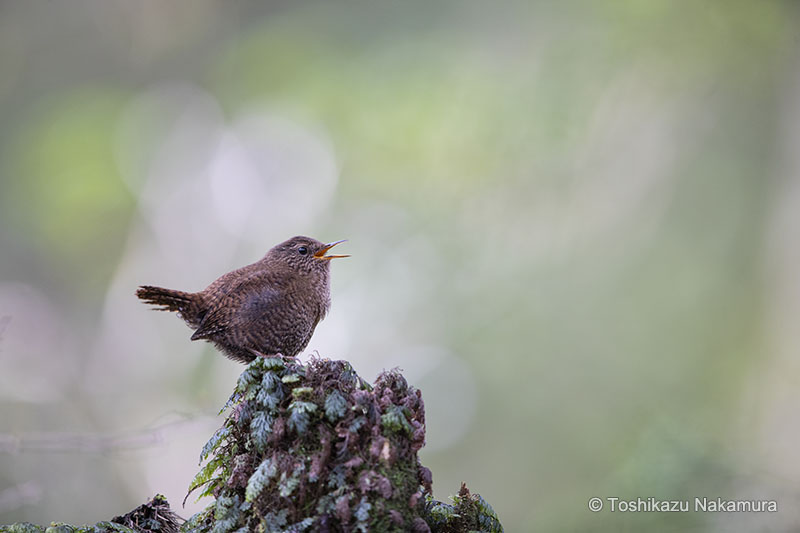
(234, 300)
(216, 320)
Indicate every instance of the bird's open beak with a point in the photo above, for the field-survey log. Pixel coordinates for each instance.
(321, 253)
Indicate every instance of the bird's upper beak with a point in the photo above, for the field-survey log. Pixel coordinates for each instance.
(321, 253)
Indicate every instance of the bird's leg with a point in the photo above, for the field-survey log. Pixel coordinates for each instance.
(256, 353)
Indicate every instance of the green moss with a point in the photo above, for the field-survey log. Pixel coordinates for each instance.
(22, 527)
(395, 420)
(469, 512)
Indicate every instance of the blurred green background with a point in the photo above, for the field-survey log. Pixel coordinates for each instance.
(574, 225)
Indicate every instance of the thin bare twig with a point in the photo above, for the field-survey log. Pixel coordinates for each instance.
(56, 441)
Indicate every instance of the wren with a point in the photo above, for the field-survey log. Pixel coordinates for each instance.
(270, 307)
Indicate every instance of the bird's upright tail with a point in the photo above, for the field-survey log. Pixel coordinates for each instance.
(167, 299)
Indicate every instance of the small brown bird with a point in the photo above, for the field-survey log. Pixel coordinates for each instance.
(270, 307)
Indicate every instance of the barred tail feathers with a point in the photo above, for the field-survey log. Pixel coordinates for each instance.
(167, 299)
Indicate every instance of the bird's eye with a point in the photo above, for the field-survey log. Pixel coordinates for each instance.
(303, 250)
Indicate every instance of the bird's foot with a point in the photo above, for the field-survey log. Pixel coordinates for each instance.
(315, 356)
(256, 353)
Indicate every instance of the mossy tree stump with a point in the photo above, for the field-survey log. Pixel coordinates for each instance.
(316, 448)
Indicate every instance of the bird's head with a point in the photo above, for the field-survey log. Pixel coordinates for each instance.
(304, 254)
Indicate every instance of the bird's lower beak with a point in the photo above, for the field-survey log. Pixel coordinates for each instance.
(321, 253)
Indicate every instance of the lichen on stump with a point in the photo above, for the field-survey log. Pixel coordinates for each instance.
(316, 448)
